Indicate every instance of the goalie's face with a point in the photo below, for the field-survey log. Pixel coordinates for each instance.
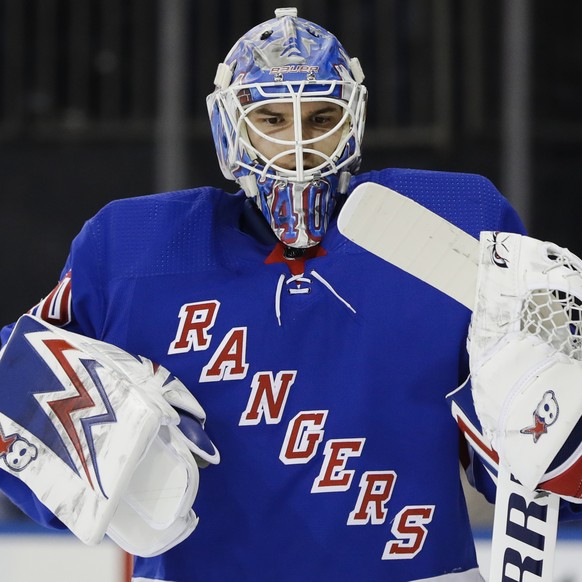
(297, 145)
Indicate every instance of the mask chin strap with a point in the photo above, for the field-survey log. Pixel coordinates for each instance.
(293, 253)
(249, 185)
(343, 183)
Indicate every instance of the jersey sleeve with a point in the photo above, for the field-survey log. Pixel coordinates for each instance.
(470, 201)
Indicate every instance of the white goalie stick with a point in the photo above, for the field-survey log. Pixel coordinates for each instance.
(425, 245)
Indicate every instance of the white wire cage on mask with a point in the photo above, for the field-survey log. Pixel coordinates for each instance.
(289, 161)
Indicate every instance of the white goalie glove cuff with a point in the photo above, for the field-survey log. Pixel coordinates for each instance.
(92, 432)
(525, 347)
(145, 523)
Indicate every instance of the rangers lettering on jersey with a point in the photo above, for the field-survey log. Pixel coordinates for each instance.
(409, 529)
(196, 319)
(270, 393)
(229, 360)
(333, 475)
(375, 491)
(268, 397)
(304, 433)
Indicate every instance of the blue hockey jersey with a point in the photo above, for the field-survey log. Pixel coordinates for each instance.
(323, 380)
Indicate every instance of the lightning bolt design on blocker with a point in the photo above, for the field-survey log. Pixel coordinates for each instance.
(77, 412)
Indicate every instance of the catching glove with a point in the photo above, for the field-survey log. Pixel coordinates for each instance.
(525, 348)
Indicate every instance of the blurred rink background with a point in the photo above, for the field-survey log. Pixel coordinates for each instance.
(104, 99)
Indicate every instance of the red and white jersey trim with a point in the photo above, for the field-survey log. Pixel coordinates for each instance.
(55, 308)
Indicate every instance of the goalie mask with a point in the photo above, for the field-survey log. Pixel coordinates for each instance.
(287, 118)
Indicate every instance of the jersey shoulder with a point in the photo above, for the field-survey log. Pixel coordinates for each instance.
(470, 201)
(166, 232)
(166, 208)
